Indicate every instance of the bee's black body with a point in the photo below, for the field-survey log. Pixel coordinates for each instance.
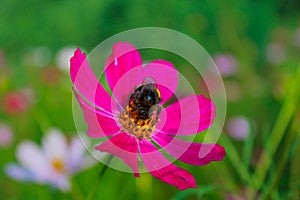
(142, 99)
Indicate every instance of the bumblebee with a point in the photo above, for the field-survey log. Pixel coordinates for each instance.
(144, 102)
(141, 114)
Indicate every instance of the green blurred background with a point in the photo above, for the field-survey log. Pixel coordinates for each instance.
(256, 45)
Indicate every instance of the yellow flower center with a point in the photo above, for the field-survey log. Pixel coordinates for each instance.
(140, 128)
(58, 165)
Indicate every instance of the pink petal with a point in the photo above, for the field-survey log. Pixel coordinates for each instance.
(162, 169)
(100, 124)
(123, 59)
(86, 82)
(190, 152)
(165, 76)
(189, 115)
(123, 146)
(124, 72)
(160, 71)
(126, 85)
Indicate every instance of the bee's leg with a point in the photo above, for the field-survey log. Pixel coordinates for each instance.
(155, 110)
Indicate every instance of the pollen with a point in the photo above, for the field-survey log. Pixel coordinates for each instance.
(58, 165)
(140, 128)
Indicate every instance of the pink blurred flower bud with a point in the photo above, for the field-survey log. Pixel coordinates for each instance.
(17, 102)
(238, 127)
(226, 64)
(6, 135)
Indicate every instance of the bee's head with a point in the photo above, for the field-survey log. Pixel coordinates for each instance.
(146, 95)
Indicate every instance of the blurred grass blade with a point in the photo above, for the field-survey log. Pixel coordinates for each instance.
(199, 192)
(206, 189)
(278, 131)
(235, 159)
(247, 149)
(284, 158)
(294, 183)
(228, 181)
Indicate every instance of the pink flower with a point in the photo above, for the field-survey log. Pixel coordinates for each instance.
(17, 102)
(6, 135)
(226, 64)
(238, 127)
(52, 164)
(131, 127)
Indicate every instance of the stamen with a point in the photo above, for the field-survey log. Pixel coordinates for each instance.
(58, 165)
(140, 128)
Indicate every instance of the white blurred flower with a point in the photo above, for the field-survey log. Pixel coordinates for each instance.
(51, 164)
(63, 57)
(38, 56)
(6, 135)
(238, 127)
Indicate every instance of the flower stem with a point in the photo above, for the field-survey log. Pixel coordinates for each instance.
(102, 172)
